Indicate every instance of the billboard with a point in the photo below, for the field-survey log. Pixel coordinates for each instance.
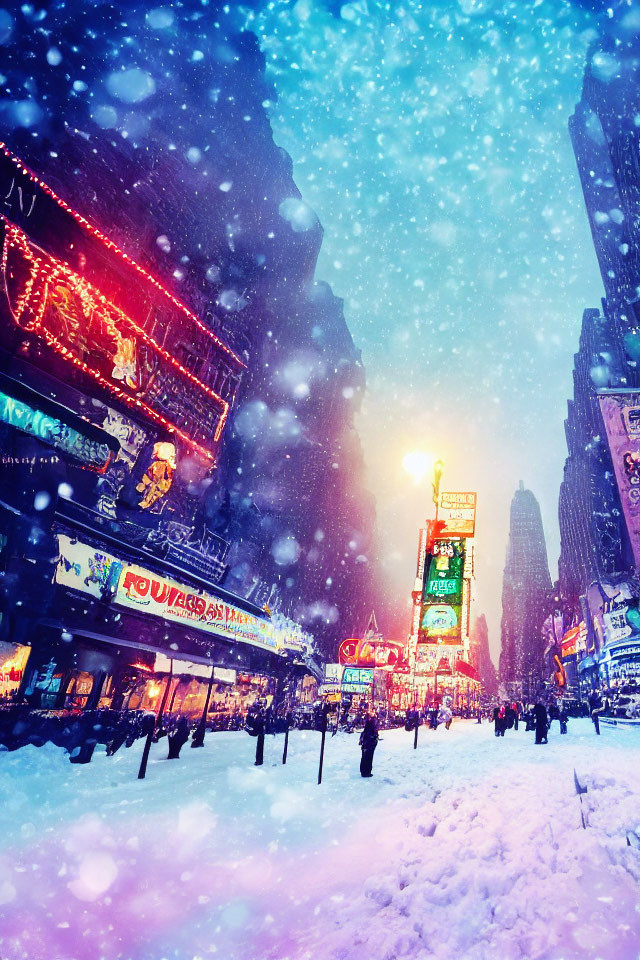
(621, 415)
(457, 514)
(95, 572)
(443, 593)
(614, 611)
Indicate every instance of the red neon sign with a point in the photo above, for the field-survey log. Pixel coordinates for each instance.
(112, 319)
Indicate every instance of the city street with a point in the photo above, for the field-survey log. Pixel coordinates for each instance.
(470, 847)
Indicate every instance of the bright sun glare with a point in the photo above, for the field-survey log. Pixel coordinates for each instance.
(417, 464)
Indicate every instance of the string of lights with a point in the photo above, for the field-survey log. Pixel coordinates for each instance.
(29, 310)
(115, 249)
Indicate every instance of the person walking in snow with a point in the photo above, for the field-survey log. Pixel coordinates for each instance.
(595, 705)
(255, 727)
(542, 725)
(563, 716)
(368, 744)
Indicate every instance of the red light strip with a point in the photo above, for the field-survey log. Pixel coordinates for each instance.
(124, 256)
(86, 291)
(39, 278)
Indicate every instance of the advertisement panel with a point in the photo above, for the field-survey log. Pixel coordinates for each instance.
(443, 594)
(614, 612)
(357, 680)
(621, 415)
(457, 514)
(83, 568)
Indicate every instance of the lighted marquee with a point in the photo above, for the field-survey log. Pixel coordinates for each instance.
(107, 316)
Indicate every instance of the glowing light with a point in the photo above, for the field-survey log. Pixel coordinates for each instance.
(47, 275)
(124, 256)
(417, 464)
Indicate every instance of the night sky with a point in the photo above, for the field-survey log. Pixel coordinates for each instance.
(431, 140)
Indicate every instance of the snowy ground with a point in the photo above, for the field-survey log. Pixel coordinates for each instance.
(469, 848)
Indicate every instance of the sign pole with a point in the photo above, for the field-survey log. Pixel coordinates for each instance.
(324, 734)
(286, 738)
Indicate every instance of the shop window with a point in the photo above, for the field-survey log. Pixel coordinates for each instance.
(13, 660)
(78, 691)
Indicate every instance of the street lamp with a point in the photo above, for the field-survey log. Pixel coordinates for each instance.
(438, 467)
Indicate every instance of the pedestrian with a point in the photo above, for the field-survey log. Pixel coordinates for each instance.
(502, 720)
(515, 707)
(255, 726)
(595, 705)
(368, 744)
(496, 721)
(563, 716)
(445, 715)
(541, 720)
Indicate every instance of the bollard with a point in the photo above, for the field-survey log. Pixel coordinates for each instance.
(415, 737)
(324, 734)
(286, 741)
(145, 755)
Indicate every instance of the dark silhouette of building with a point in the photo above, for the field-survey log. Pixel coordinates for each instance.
(480, 657)
(592, 532)
(606, 142)
(526, 589)
(170, 153)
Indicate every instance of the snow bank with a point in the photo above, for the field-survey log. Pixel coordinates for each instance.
(469, 848)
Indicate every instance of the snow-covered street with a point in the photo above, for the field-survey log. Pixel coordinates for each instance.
(470, 847)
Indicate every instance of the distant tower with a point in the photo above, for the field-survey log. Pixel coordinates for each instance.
(526, 587)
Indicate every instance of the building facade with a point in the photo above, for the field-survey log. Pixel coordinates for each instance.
(526, 589)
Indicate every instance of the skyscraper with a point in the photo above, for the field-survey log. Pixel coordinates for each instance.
(480, 656)
(526, 588)
(592, 534)
(606, 140)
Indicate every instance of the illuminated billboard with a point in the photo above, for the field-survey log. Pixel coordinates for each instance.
(441, 622)
(443, 593)
(457, 514)
(621, 415)
(89, 306)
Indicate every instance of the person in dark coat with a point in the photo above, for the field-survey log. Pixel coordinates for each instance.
(368, 744)
(496, 720)
(563, 716)
(540, 714)
(255, 727)
(595, 703)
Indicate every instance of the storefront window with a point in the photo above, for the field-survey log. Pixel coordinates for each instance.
(13, 660)
(78, 690)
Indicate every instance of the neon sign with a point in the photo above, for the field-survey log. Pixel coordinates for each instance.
(70, 286)
(53, 302)
(54, 432)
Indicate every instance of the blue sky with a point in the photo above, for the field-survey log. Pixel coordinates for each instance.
(431, 140)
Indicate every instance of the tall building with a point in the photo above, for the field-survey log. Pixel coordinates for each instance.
(480, 656)
(526, 588)
(606, 140)
(592, 535)
(176, 164)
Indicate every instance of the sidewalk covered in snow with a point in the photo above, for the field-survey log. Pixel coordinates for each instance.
(470, 848)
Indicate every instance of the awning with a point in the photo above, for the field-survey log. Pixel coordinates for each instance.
(587, 663)
(467, 670)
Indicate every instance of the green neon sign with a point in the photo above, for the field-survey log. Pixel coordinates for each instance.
(50, 430)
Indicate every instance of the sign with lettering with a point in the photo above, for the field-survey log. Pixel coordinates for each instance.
(621, 415)
(91, 571)
(457, 514)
